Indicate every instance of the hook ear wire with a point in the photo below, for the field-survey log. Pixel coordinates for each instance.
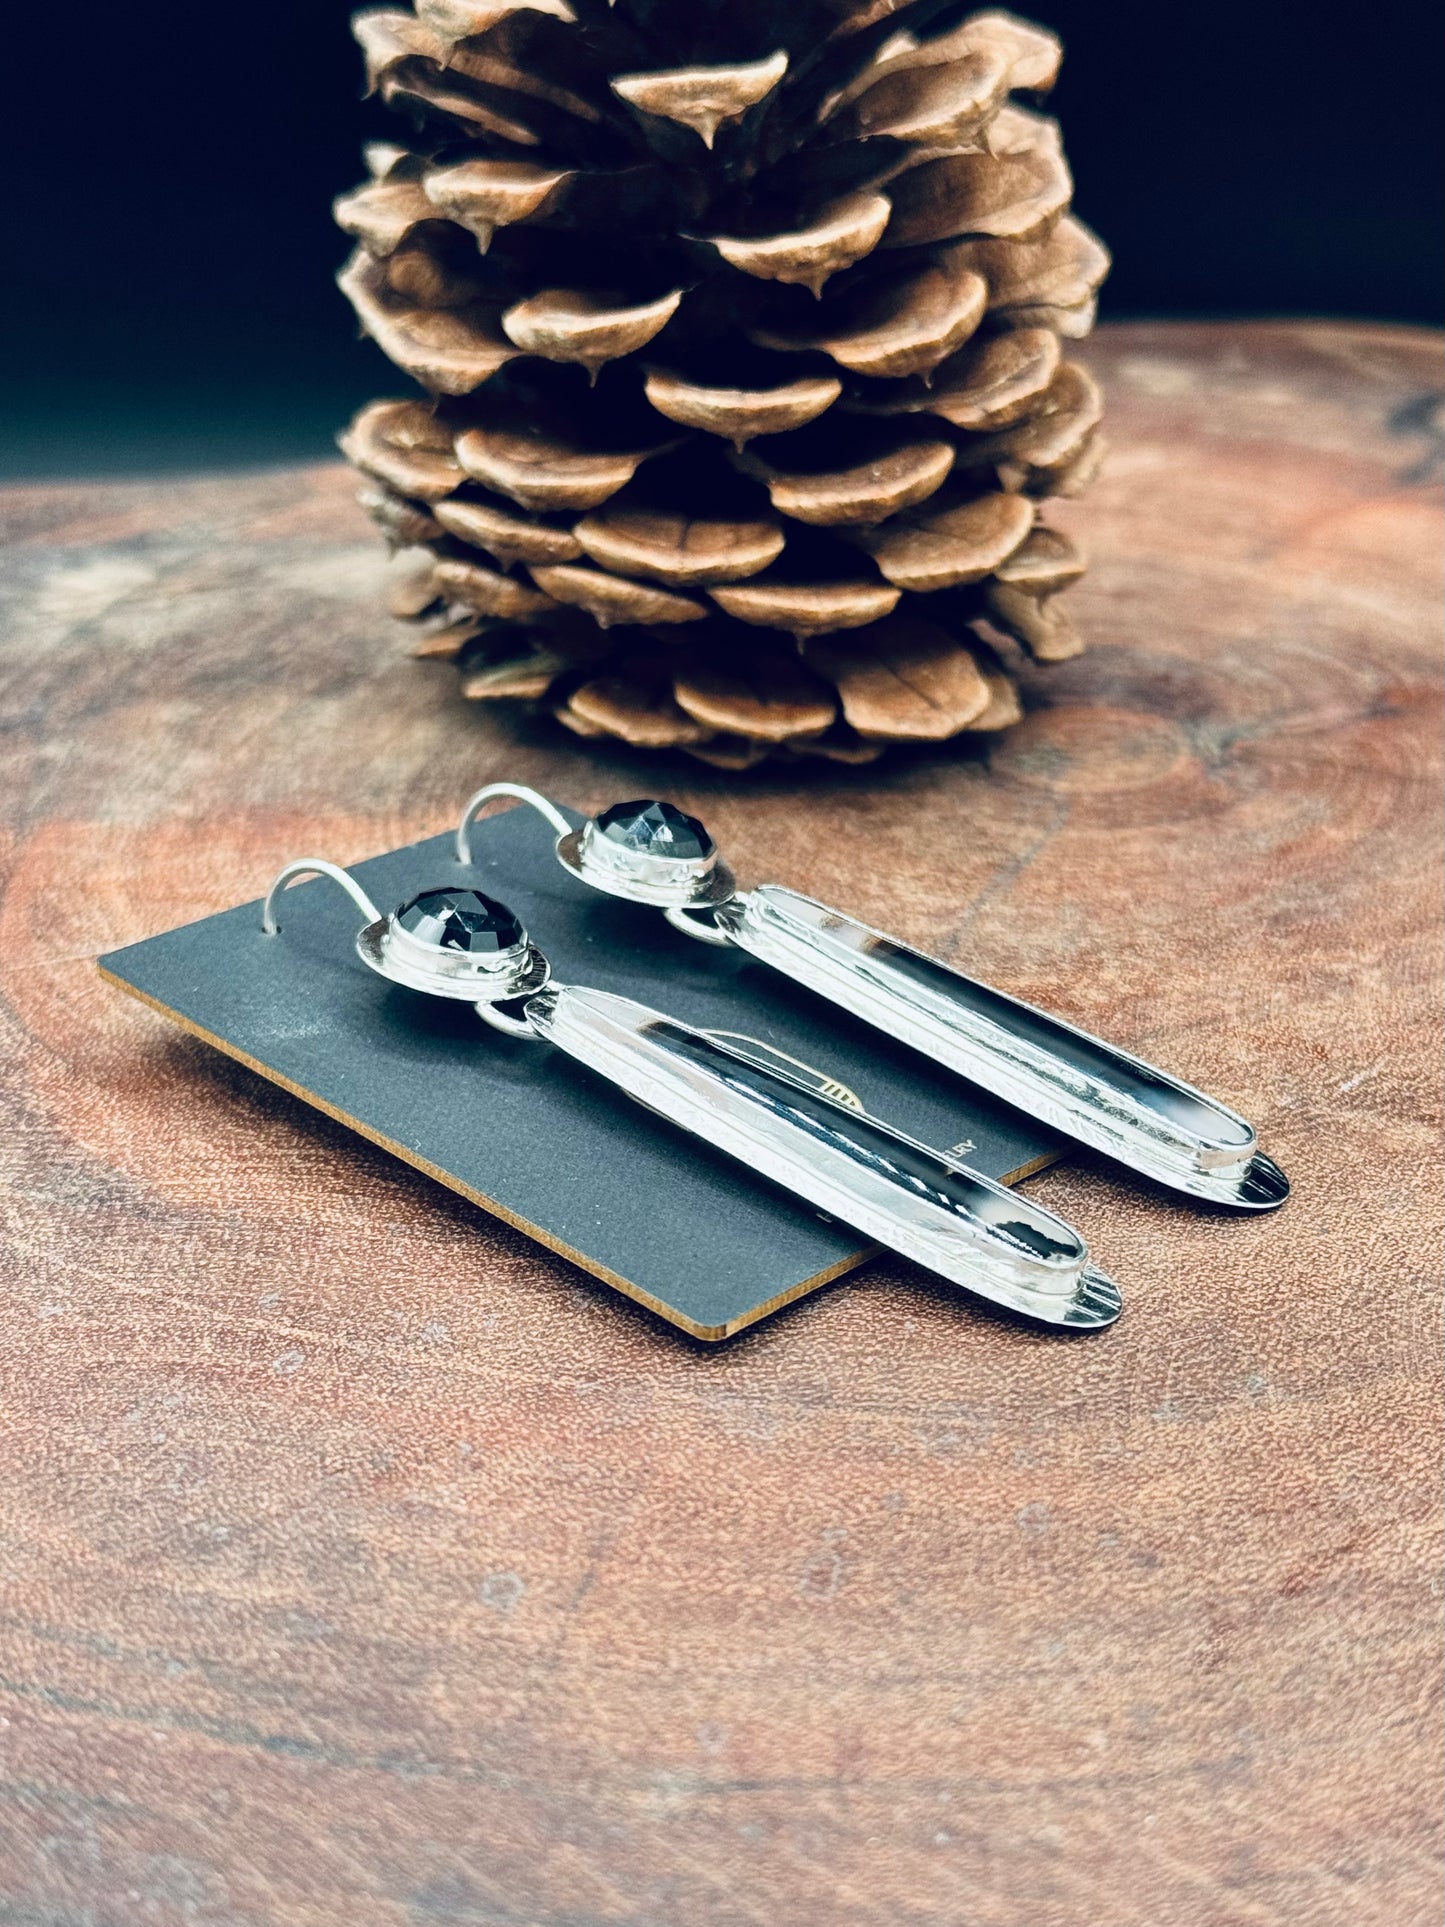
(523, 795)
(315, 866)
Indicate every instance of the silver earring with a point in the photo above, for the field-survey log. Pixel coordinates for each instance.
(780, 1118)
(653, 853)
(445, 943)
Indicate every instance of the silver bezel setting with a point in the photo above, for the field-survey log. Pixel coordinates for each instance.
(664, 882)
(394, 953)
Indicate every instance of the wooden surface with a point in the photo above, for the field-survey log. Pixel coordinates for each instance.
(362, 1565)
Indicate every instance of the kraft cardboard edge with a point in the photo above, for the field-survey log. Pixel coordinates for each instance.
(708, 1334)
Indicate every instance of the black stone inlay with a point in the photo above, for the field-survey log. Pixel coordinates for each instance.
(655, 829)
(461, 920)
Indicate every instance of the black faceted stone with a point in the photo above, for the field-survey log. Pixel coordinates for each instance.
(655, 829)
(461, 920)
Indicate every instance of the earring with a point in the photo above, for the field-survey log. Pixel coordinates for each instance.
(778, 1117)
(653, 853)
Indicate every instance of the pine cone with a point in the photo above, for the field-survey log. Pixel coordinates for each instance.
(741, 324)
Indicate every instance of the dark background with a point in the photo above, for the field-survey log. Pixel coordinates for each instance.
(171, 253)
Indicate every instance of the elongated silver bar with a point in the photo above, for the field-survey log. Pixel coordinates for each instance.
(905, 1195)
(1090, 1090)
(1076, 1083)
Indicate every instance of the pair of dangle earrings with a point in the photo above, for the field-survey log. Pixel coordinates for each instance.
(794, 1125)
(790, 1124)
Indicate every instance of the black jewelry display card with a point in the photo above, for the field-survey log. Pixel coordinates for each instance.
(528, 1133)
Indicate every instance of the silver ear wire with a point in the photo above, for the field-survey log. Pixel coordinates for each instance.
(523, 795)
(315, 866)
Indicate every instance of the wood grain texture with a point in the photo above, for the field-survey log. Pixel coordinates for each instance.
(365, 1566)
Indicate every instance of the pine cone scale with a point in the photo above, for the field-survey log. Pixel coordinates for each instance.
(740, 327)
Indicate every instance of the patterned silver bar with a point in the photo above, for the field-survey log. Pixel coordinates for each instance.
(1081, 1086)
(913, 1199)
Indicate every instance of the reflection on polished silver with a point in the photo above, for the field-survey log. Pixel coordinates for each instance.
(1073, 1082)
(780, 1118)
(1076, 1083)
(915, 1200)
